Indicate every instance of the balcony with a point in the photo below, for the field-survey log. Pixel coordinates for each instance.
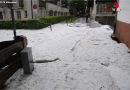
(105, 9)
(99, 1)
(4, 3)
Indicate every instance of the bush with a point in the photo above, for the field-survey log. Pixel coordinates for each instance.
(5, 24)
(34, 24)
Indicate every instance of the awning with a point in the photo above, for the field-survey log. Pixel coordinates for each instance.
(106, 0)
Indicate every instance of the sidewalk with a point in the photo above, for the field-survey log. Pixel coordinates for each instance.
(88, 59)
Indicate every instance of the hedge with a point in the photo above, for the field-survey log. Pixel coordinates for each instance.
(34, 24)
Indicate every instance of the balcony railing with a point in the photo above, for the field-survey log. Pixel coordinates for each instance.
(104, 14)
(105, 9)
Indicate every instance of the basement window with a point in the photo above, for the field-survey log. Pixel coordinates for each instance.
(18, 15)
(26, 14)
(1, 15)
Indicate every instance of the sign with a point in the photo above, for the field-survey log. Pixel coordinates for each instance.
(35, 6)
(116, 4)
(7, 2)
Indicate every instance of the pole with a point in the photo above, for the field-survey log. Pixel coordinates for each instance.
(32, 9)
(114, 32)
(50, 27)
(13, 21)
(115, 24)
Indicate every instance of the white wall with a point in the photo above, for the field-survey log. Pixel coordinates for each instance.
(56, 8)
(27, 7)
(40, 12)
(124, 14)
(53, 7)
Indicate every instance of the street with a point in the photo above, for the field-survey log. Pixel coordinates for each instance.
(88, 59)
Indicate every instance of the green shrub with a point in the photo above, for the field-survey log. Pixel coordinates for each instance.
(5, 24)
(34, 24)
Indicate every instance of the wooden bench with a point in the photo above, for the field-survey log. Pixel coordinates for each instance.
(9, 57)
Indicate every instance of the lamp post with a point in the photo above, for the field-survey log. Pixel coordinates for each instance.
(32, 9)
(13, 21)
(113, 36)
(116, 5)
(75, 9)
(4, 2)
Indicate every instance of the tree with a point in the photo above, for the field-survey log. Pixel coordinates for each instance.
(64, 3)
(77, 7)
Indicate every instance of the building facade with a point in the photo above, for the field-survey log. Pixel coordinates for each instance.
(31, 9)
(123, 22)
(22, 10)
(103, 11)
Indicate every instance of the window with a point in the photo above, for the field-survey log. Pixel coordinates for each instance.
(104, 8)
(21, 4)
(18, 15)
(26, 14)
(50, 13)
(55, 13)
(1, 15)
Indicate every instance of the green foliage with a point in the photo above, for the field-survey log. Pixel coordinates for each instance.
(5, 24)
(71, 20)
(55, 19)
(78, 7)
(42, 3)
(34, 24)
